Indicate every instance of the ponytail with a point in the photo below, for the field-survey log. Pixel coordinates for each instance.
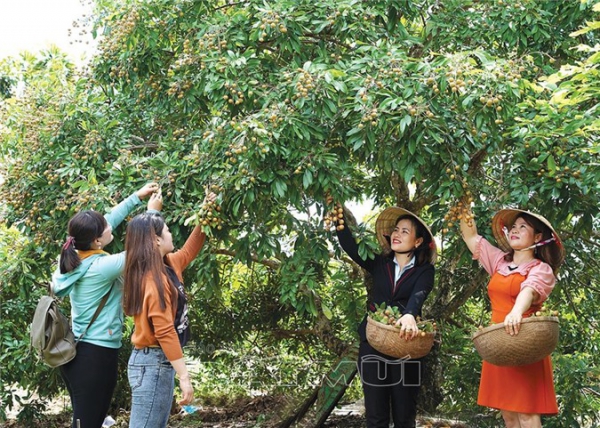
(69, 259)
(84, 227)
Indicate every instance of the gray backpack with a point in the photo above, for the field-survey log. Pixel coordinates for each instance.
(51, 334)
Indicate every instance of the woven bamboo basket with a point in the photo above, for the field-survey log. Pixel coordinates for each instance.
(537, 338)
(386, 339)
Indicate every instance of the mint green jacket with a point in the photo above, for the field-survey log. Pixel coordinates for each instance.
(90, 281)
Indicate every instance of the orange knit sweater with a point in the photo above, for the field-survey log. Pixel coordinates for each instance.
(155, 326)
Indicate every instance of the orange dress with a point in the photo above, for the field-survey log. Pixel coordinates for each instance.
(521, 389)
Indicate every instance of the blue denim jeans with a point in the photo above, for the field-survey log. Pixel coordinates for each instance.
(152, 381)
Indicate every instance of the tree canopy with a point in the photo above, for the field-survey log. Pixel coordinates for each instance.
(286, 107)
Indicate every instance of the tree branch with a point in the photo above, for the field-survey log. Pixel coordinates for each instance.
(145, 144)
(273, 264)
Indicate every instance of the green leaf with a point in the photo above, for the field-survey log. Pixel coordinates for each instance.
(249, 197)
(353, 131)
(404, 122)
(408, 173)
(340, 86)
(326, 311)
(331, 106)
(307, 179)
(280, 188)
(412, 146)
(551, 163)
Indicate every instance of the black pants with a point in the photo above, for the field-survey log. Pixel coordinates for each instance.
(389, 384)
(91, 378)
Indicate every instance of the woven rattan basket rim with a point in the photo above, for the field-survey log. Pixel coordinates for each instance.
(500, 326)
(386, 339)
(396, 329)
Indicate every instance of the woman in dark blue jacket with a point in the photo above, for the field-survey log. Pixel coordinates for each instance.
(402, 276)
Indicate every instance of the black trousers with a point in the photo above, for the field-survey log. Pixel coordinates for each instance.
(390, 386)
(91, 378)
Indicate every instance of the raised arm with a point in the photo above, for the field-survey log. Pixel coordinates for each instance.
(155, 203)
(350, 246)
(118, 213)
(183, 257)
(468, 230)
(147, 190)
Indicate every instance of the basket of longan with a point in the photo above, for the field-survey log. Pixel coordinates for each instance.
(537, 338)
(384, 336)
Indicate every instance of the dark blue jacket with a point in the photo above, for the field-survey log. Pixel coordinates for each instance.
(408, 294)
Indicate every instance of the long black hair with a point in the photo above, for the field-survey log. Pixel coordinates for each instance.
(143, 258)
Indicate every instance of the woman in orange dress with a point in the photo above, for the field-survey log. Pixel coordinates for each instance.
(522, 271)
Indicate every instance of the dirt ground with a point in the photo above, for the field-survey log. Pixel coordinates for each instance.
(248, 413)
(188, 421)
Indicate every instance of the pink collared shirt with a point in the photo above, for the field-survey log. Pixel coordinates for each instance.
(539, 275)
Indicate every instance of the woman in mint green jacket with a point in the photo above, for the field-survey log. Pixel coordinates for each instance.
(86, 274)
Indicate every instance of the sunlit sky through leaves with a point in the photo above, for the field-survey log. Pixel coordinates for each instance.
(34, 25)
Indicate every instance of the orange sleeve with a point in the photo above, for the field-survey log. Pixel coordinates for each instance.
(180, 259)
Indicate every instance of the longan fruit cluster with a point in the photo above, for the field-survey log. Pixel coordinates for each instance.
(433, 83)
(211, 41)
(305, 84)
(215, 188)
(371, 82)
(371, 116)
(331, 18)
(119, 32)
(394, 73)
(456, 85)
(180, 134)
(335, 217)
(178, 89)
(271, 23)
(491, 101)
(234, 151)
(236, 96)
(416, 110)
(389, 315)
(546, 312)
(300, 168)
(210, 213)
(92, 138)
(461, 211)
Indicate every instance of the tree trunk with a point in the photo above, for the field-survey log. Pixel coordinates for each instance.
(318, 405)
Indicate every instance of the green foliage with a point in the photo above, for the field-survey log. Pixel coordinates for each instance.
(510, 27)
(285, 109)
(462, 370)
(576, 384)
(19, 367)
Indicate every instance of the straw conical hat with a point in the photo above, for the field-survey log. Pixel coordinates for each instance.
(506, 218)
(386, 222)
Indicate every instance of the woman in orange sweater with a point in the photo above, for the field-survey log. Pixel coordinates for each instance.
(155, 296)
